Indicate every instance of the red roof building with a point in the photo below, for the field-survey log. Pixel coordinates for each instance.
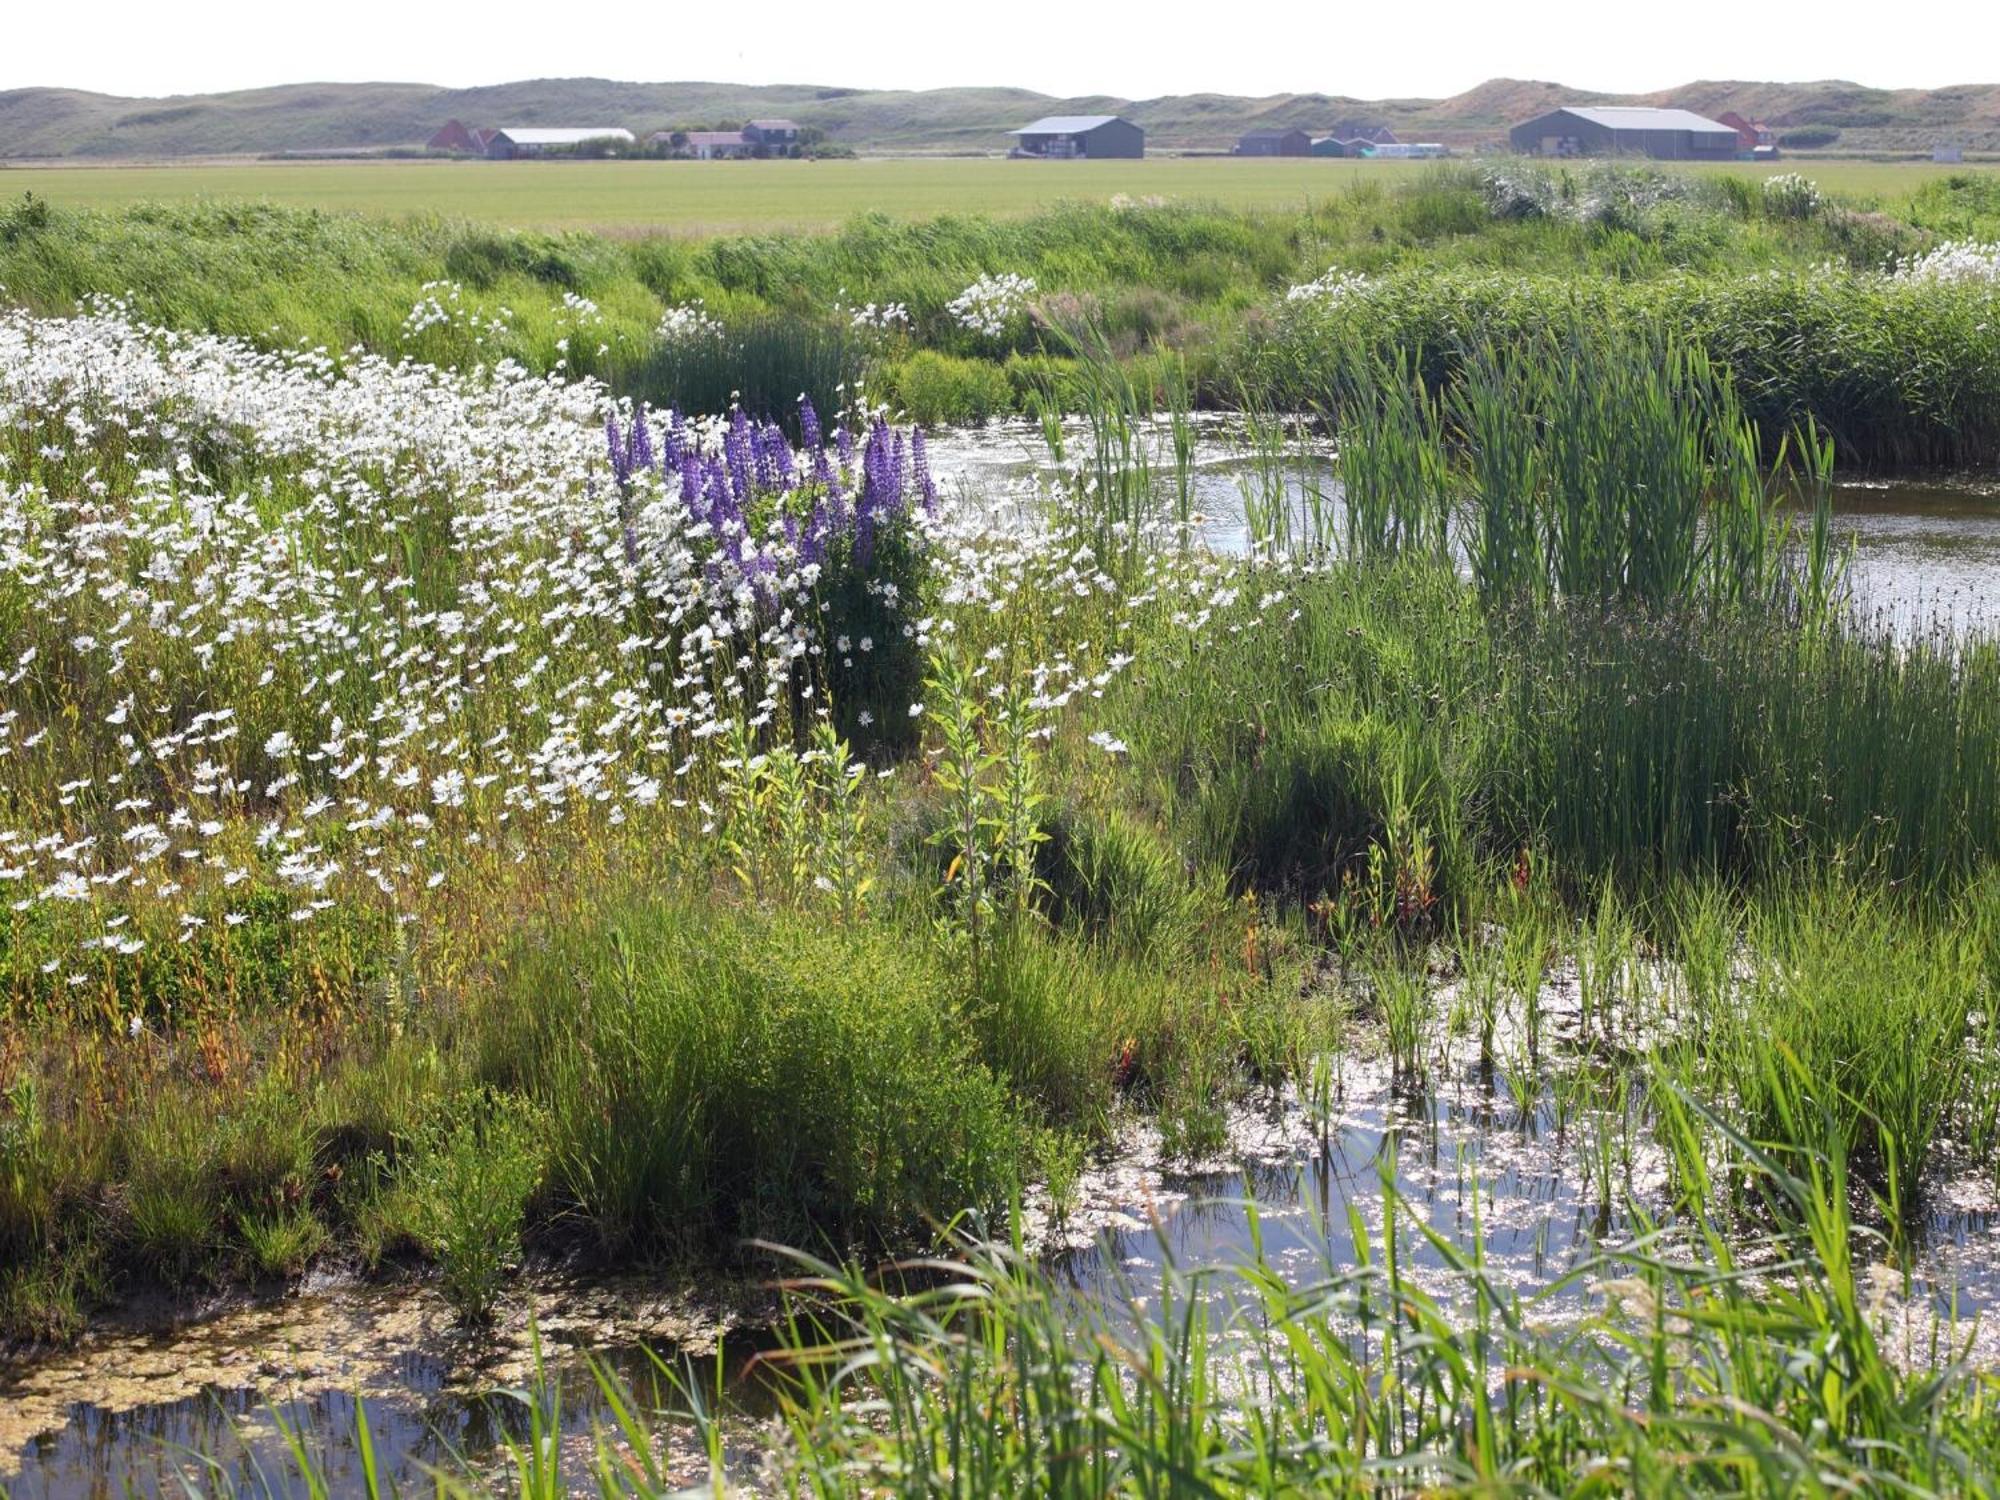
(1750, 134)
(454, 137)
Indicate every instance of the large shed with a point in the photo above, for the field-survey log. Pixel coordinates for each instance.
(1626, 130)
(1274, 143)
(1079, 137)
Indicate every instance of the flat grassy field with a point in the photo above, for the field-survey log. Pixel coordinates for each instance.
(697, 198)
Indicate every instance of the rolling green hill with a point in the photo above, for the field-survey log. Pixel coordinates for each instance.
(326, 117)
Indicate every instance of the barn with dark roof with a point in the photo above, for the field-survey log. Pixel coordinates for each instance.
(1079, 138)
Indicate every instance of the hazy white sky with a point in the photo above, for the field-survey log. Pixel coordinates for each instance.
(1136, 50)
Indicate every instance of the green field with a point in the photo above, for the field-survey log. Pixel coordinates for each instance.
(719, 197)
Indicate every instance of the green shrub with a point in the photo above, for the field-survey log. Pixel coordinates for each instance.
(711, 1074)
(1306, 810)
(1115, 881)
(764, 364)
(870, 660)
(1864, 1011)
(469, 1177)
(1787, 195)
(283, 1242)
(172, 1212)
(944, 390)
(1053, 1022)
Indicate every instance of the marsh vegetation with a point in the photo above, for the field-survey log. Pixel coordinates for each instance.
(456, 814)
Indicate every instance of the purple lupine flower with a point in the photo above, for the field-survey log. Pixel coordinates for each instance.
(674, 448)
(691, 482)
(812, 547)
(843, 442)
(621, 462)
(736, 452)
(809, 434)
(718, 504)
(766, 469)
(639, 446)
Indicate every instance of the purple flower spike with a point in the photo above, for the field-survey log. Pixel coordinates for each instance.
(621, 462)
(639, 447)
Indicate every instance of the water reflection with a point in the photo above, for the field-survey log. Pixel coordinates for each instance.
(1926, 549)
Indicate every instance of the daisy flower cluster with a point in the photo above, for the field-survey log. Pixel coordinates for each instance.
(1324, 291)
(442, 305)
(992, 303)
(287, 636)
(1966, 262)
(689, 323)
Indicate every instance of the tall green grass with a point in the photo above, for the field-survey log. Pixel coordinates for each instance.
(1640, 743)
(709, 1076)
(1893, 374)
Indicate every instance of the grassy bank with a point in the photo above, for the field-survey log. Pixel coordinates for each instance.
(1788, 285)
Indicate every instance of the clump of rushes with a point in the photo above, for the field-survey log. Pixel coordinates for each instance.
(469, 1176)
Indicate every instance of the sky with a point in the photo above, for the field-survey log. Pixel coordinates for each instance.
(1369, 50)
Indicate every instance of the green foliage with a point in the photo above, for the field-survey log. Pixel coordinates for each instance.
(763, 364)
(470, 1174)
(1892, 372)
(711, 1074)
(939, 389)
(1115, 880)
(172, 1218)
(1856, 1014)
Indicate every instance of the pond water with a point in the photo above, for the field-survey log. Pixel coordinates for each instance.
(130, 1411)
(1926, 548)
(1467, 1158)
(218, 1400)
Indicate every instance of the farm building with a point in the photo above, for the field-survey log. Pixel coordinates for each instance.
(1274, 143)
(705, 145)
(1378, 150)
(758, 138)
(1626, 130)
(775, 137)
(1079, 137)
(511, 141)
(453, 136)
(1750, 134)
